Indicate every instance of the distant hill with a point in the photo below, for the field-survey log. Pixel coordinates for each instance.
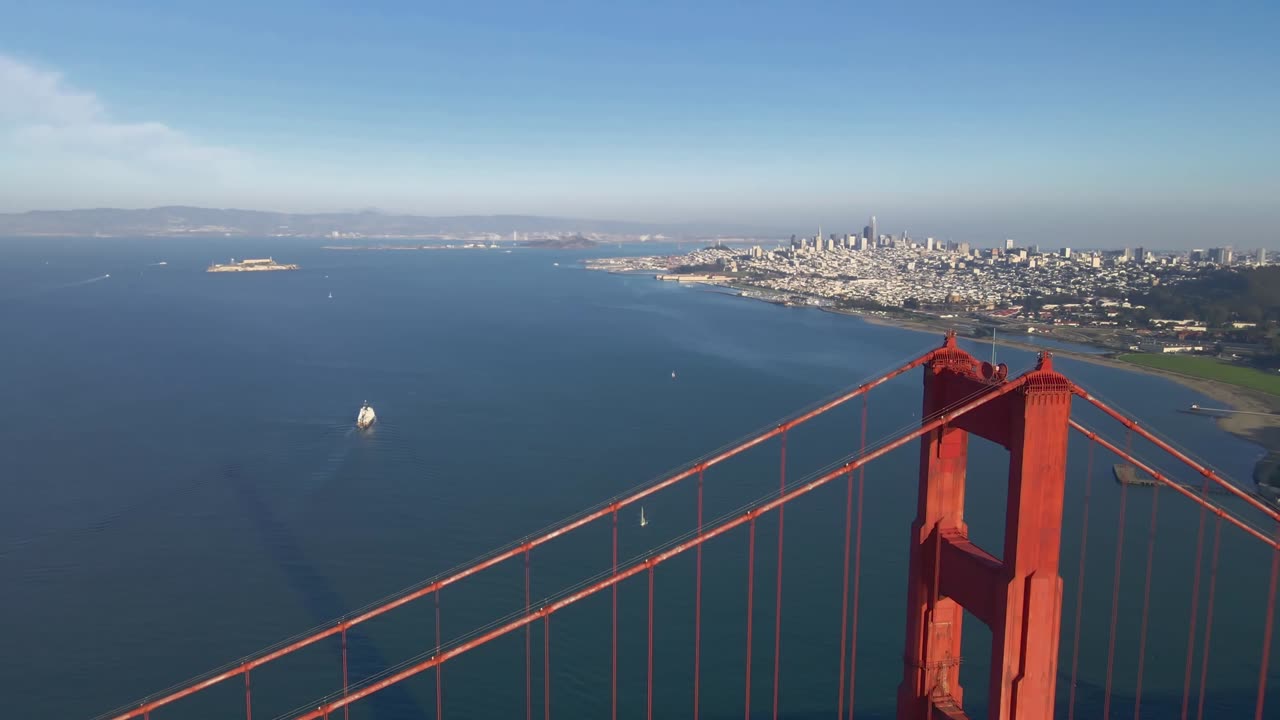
(576, 242)
(178, 221)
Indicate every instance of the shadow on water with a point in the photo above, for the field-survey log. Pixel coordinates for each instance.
(321, 601)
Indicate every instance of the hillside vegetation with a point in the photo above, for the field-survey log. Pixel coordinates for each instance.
(1211, 369)
(1220, 297)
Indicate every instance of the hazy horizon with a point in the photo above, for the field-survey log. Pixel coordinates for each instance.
(1087, 126)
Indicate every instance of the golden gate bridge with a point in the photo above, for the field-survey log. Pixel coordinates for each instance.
(1018, 592)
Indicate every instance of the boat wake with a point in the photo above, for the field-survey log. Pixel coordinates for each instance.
(81, 283)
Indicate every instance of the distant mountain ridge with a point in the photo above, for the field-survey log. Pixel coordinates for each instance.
(576, 242)
(180, 221)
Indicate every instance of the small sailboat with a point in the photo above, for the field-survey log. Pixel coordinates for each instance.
(330, 294)
(673, 374)
(366, 416)
(643, 521)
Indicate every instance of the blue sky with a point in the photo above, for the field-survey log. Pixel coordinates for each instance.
(1101, 121)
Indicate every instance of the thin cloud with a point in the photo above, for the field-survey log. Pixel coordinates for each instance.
(44, 117)
(30, 94)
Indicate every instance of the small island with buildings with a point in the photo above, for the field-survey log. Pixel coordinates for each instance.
(251, 265)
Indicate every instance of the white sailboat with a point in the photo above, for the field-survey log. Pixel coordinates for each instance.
(643, 521)
(673, 374)
(366, 416)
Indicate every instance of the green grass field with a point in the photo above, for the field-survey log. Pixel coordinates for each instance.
(1210, 368)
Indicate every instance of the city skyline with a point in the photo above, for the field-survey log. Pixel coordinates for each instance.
(369, 223)
(951, 123)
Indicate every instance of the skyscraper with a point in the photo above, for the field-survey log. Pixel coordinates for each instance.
(873, 229)
(1008, 244)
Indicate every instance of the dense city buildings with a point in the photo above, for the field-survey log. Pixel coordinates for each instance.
(867, 271)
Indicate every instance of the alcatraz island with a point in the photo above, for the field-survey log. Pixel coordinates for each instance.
(251, 265)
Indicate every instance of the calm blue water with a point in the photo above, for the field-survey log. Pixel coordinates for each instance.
(182, 484)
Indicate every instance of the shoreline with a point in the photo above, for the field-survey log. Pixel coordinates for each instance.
(1235, 396)
(1262, 428)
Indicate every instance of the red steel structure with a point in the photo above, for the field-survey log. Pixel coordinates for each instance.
(1018, 595)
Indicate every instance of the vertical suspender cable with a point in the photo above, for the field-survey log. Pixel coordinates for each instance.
(613, 673)
(1195, 600)
(546, 667)
(1267, 629)
(1146, 603)
(1084, 540)
(528, 645)
(1115, 595)
(440, 667)
(697, 612)
(777, 605)
(857, 562)
(1208, 620)
(751, 577)
(844, 592)
(649, 691)
(346, 709)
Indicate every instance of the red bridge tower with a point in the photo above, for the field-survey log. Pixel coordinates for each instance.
(1019, 596)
